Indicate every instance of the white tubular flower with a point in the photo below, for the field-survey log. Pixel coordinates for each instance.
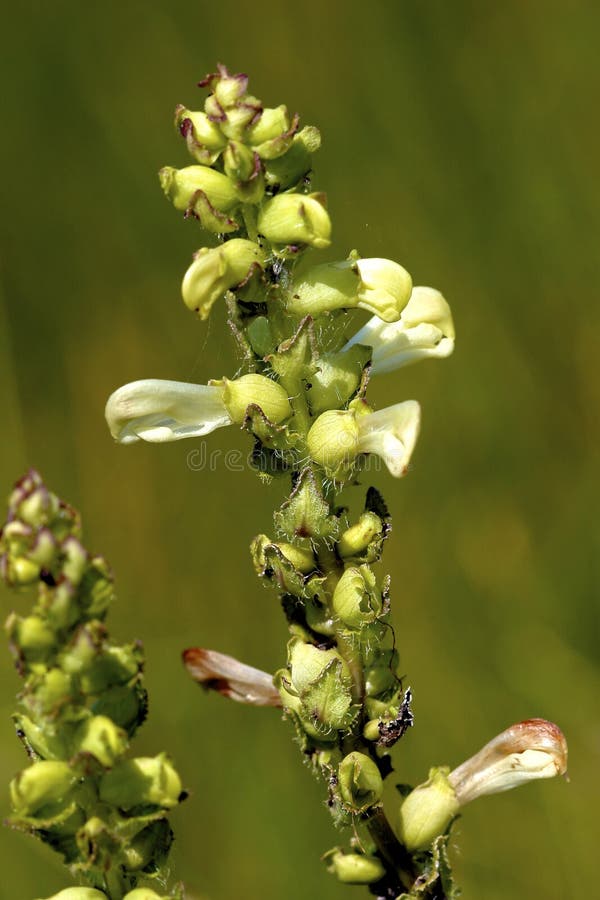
(524, 752)
(391, 433)
(219, 269)
(231, 678)
(425, 329)
(158, 411)
(337, 437)
(378, 285)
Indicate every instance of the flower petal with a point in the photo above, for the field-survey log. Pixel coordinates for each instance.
(391, 433)
(233, 679)
(158, 411)
(425, 329)
(524, 752)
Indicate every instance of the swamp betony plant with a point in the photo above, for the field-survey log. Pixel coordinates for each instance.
(301, 395)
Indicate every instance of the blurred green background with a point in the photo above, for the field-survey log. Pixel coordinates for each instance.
(460, 139)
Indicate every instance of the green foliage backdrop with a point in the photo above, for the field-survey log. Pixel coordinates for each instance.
(459, 139)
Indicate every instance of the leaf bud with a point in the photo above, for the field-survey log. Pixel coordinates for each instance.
(356, 598)
(256, 390)
(332, 441)
(216, 270)
(43, 783)
(143, 781)
(360, 782)
(354, 868)
(296, 219)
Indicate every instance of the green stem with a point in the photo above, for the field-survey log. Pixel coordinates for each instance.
(390, 849)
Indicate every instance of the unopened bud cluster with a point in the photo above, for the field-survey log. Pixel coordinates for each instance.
(82, 701)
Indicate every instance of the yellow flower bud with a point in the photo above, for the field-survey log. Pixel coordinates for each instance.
(78, 893)
(356, 599)
(202, 192)
(100, 737)
(142, 894)
(34, 636)
(273, 132)
(427, 811)
(296, 219)
(43, 783)
(256, 390)
(354, 868)
(141, 781)
(180, 186)
(300, 558)
(203, 138)
(357, 538)
(333, 441)
(360, 782)
(219, 269)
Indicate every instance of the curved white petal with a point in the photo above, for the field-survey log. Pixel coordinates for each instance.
(524, 752)
(158, 411)
(391, 433)
(231, 678)
(425, 330)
